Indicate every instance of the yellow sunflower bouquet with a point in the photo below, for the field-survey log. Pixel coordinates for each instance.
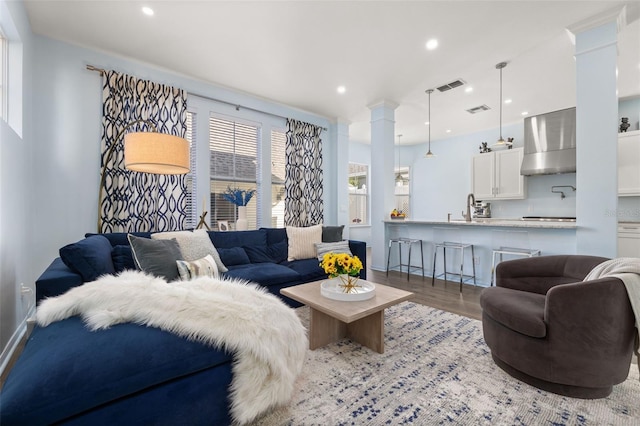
(335, 264)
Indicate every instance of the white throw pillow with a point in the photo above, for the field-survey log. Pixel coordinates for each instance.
(205, 267)
(302, 241)
(193, 245)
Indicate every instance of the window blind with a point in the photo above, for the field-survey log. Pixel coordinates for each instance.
(190, 136)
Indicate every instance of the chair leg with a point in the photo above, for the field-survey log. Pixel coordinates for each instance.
(388, 257)
(409, 262)
(473, 263)
(422, 258)
(493, 266)
(400, 256)
(444, 256)
(433, 276)
(461, 267)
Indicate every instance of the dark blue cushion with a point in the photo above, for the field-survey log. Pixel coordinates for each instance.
(90, 257)
(65, 369)
(120, 238)
(275, 235)
(233, 256)
(122, 257)
(278, 251)
(258, 254)
(56, 280)
(265, 274)
(309, 269)
(238, 238)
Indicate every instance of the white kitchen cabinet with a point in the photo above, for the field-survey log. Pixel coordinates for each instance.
(629, 164)
(629, 240)
(496, 175)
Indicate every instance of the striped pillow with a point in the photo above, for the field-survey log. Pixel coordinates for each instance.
(302, 241)
(337, 247)
(205, 267)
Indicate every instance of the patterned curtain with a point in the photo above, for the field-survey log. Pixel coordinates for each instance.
(135, 201)
(303, 179)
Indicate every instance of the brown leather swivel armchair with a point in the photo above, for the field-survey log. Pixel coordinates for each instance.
(548, 328)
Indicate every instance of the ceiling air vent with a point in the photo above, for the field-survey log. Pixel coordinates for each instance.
(457, 83)
(478, 109)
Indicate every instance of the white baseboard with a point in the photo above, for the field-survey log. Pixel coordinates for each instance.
(14, 341)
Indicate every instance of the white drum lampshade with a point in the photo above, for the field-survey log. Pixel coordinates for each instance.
(159, 153)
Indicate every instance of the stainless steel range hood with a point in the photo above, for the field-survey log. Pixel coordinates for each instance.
(550, 143)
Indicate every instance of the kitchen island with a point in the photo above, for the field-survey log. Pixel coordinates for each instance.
(549, 236)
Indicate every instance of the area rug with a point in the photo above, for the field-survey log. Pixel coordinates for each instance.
(436, 369)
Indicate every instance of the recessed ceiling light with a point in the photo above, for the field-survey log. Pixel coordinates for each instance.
(524, 113)
(448, 130)
(147, 11)
(469, 89)
(341, 89)
(426, 123)
(432, 44)
(507, 101)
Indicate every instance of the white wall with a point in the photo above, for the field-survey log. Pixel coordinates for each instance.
(16, 182)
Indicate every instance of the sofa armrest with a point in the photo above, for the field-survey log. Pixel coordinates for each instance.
(539, 274)
(593, 315)
(56, 280)
(359, 248)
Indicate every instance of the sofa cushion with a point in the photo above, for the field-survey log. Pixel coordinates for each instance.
(157, 257)
(233, 256)
(332, 234)
(520, 311)
(258, 254)
(90, 257)
(119, 238)
(278, 251)
(122, 257)
(193, 245)
(205, 267)
(308, 269)
(302, 241)
(238, 238)
(265, 274)
(70, 369)
(275, 235)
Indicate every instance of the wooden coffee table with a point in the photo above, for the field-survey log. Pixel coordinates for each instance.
(332, 320)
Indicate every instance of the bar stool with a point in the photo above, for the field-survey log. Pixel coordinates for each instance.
(511, 243)
(410, 242)
(450, 239)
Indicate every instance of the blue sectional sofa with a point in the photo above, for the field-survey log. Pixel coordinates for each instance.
(131, 374)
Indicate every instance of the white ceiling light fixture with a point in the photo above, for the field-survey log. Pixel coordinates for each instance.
(468, 90)
(147, 11)
(429, 154)
(524, 113)
(341, 90)
(432, 44)
(501, 141)
(507, 101)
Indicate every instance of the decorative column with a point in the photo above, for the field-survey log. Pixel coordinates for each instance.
(382, 183)
(597, 134)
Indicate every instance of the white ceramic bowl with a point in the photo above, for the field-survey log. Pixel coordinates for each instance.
(331, 289)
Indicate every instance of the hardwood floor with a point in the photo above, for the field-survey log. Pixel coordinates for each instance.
(440, 296)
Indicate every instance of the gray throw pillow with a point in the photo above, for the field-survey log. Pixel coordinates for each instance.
(332, 234)
(337, 248)
(156, 257)
(193, 245)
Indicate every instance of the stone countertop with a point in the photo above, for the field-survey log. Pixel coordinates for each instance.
(492, 222)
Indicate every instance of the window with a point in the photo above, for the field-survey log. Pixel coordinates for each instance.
(278, 171)
(233, 148)
(192, 208)
(3, 75)
(358, 194)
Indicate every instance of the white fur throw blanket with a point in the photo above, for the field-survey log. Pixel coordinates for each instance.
(265, 335)
(627, 269)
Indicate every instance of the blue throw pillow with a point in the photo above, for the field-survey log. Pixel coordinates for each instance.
(233, 256)
(258, 254)
(278, 252)
(90, 257)
(122, 258)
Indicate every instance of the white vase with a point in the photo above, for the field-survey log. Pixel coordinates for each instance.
(241, 223)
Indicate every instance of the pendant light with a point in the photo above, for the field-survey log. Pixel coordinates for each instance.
(429, 154)
(399, 179)
(501, 141)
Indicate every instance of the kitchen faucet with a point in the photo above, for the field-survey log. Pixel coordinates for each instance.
(471, 199)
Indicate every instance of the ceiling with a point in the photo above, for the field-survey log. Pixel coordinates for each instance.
(298, 52)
